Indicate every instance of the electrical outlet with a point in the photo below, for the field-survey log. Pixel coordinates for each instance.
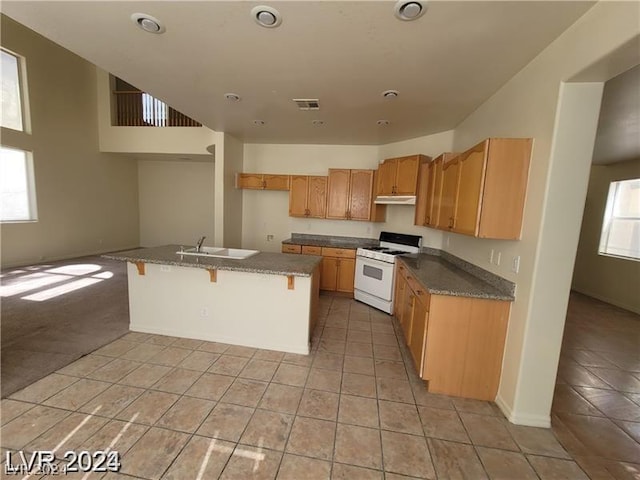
(498, 258)
(165, 268)
(270, 238)
(204, 312)
(515, 265)
(491, 255)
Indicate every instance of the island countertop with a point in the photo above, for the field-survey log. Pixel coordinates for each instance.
(263, 262)
(441, 277)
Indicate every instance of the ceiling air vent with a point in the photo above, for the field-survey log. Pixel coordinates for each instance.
(307, 103)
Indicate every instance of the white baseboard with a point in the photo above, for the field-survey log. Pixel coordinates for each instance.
(612, 301)
(543, 421)
(68, 256)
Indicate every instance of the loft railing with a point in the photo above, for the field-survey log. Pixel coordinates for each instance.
(139, 109)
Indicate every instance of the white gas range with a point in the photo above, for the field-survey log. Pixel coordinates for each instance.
(375, 269)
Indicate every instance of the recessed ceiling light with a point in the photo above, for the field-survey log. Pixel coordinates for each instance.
(317, 123)
(148, 23)
(259, 122)
(390, 93)
(267, 17)
(409, 10)
(383, 123)
(232, 97)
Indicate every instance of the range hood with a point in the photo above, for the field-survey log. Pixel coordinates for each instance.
(396, 199)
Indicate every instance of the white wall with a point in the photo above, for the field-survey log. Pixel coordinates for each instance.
(530, 105)
(267, 212)
(613, 280)
(232, 221)
(176, 202)
(87, 201)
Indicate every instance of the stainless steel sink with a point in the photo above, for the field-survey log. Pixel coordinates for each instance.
(218, 252)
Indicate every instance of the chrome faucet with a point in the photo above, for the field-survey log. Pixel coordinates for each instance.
(199, 244)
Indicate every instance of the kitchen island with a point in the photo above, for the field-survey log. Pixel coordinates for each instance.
(268, 300)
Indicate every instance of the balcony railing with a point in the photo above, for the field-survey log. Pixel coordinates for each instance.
(134, 108)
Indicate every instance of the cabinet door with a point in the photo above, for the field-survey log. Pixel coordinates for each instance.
(422, 195)
(470, 186)
(329, 275)
(317, 197)
(447, 211)
(276, 182)
(407, 313)
(338, 193)
(418, 333)
(407, 175)
(249, 180)
(387, 177)
(346, 275)
(360, 193)
(398, 297)
(436, 197)
(298, 196)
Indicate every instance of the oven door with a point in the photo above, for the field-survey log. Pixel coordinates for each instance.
(374, 277)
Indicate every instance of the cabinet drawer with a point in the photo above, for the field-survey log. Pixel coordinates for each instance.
(286, 248)
(338, 252)
(310, 250)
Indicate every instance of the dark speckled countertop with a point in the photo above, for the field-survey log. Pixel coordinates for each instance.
(442, 277)
(263, 262)
(330, 241)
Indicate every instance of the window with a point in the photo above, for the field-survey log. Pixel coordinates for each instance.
(17, 195)
(11, 99)
(621, 225)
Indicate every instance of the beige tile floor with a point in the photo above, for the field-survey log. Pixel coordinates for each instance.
(353, 409)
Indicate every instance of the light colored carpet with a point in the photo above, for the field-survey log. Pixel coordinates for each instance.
(47, 325)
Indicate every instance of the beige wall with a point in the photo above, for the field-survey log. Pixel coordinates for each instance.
(87, 200)
(176, 202)
(613, 280)
(174, 140)
(267, 212)
(531, 105)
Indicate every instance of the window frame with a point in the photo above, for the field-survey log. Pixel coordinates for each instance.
(22, 94)
(609, 218)
(21, 140)
(31, 188)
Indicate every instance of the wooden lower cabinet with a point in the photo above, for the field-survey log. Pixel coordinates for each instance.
(456, 343)
(338, 268)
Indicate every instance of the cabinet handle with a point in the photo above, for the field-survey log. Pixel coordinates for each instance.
(427, 220)
(418, 292)
(450, 222)
(337, 263)
(264, 184)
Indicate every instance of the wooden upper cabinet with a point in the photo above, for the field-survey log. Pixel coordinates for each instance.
(308, 196)
(422, 194)
(470, 185)
(430, 190)
(447, 207)
(387, 177)
(276, 182)
(298, 195)
(317, 197)
(399, 176)
(260, 181)
(484, 188)
(350, 194)
(338, 188)
(249, 180)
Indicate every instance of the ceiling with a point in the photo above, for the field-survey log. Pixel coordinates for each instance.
(444, 64)
(618, 134)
